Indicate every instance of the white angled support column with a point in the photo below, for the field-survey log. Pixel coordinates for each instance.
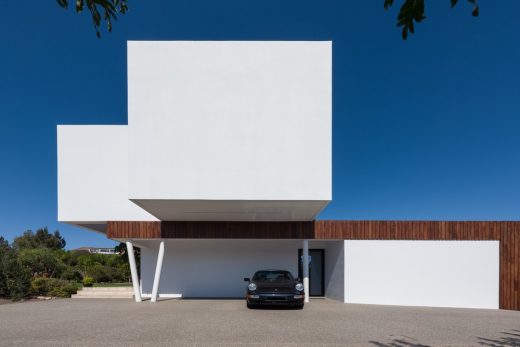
(306, 269)
(133, 271)
(158, 268)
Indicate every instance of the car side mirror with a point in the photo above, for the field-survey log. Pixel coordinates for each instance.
(298, 279)
(247, 279)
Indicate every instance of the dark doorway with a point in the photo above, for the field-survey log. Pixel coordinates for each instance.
(316, 271)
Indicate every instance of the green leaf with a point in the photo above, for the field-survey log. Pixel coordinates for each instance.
(63, 3)
(109, 9)
(388, 4)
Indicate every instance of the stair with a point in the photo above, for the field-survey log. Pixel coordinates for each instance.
(104, 293)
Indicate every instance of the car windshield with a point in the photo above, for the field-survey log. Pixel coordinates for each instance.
(272, 276)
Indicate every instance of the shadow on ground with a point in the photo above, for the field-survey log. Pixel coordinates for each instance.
(398, 342)
(508, 339)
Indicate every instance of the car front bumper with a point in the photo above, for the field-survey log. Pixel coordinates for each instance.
(275, 298)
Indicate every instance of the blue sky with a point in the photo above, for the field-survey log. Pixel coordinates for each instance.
(423, 129)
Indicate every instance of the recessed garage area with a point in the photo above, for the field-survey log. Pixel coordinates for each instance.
(216, 268)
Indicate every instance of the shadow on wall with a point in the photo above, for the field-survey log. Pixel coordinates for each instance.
(508, 339)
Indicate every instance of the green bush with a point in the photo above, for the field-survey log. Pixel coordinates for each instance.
(65, 290)
(107, 274)
(88, 281)
(14, 276)
(39, 286)
(72, 274)
(53, 287)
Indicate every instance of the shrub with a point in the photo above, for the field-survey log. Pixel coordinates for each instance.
(39, 286)
(104, 273)
(72, 274)
(14, 276)
(53, 287)
(64, 290)
(88, 281)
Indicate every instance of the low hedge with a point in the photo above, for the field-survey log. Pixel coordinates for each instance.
(44, 286)
(88, 281)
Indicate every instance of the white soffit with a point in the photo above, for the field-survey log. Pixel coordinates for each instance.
(239, 211)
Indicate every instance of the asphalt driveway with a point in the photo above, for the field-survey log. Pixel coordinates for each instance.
(323, 322)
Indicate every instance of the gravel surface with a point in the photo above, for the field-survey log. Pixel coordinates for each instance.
(120, 322)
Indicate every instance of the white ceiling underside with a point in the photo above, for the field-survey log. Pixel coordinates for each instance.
(233, 210)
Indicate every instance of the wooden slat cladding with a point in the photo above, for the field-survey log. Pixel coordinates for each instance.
(508, 233)
(238, 230)
(211, 230)
(411, 230)
(510, 269)
(134, 230)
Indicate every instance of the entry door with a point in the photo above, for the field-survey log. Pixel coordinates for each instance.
(316, 271)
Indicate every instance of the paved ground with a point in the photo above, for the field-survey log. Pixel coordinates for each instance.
(323, 322)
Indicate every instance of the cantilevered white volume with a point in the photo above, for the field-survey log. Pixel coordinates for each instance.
(230, 130)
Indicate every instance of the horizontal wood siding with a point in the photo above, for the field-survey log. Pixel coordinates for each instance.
(134, 230)
(210, 230)
(410, 230)
(508, 233)
(238, 230)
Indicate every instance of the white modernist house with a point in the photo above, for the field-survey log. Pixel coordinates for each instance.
(222, 170)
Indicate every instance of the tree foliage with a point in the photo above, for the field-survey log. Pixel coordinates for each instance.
(104, 267)
(42, 261)
(121, 249)
(413, 11)
(15, 278)
(42, 238)
(36, 264)
(100, 10)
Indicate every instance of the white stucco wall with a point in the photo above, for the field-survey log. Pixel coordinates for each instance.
(230, 121)
(335, 270)
(92, 175)
(423, 273)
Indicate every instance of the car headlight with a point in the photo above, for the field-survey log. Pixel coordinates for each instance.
(299, 287)
(251, 286)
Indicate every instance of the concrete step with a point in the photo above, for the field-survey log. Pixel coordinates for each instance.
(104, 293)
(108, 296)
(111, 289)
